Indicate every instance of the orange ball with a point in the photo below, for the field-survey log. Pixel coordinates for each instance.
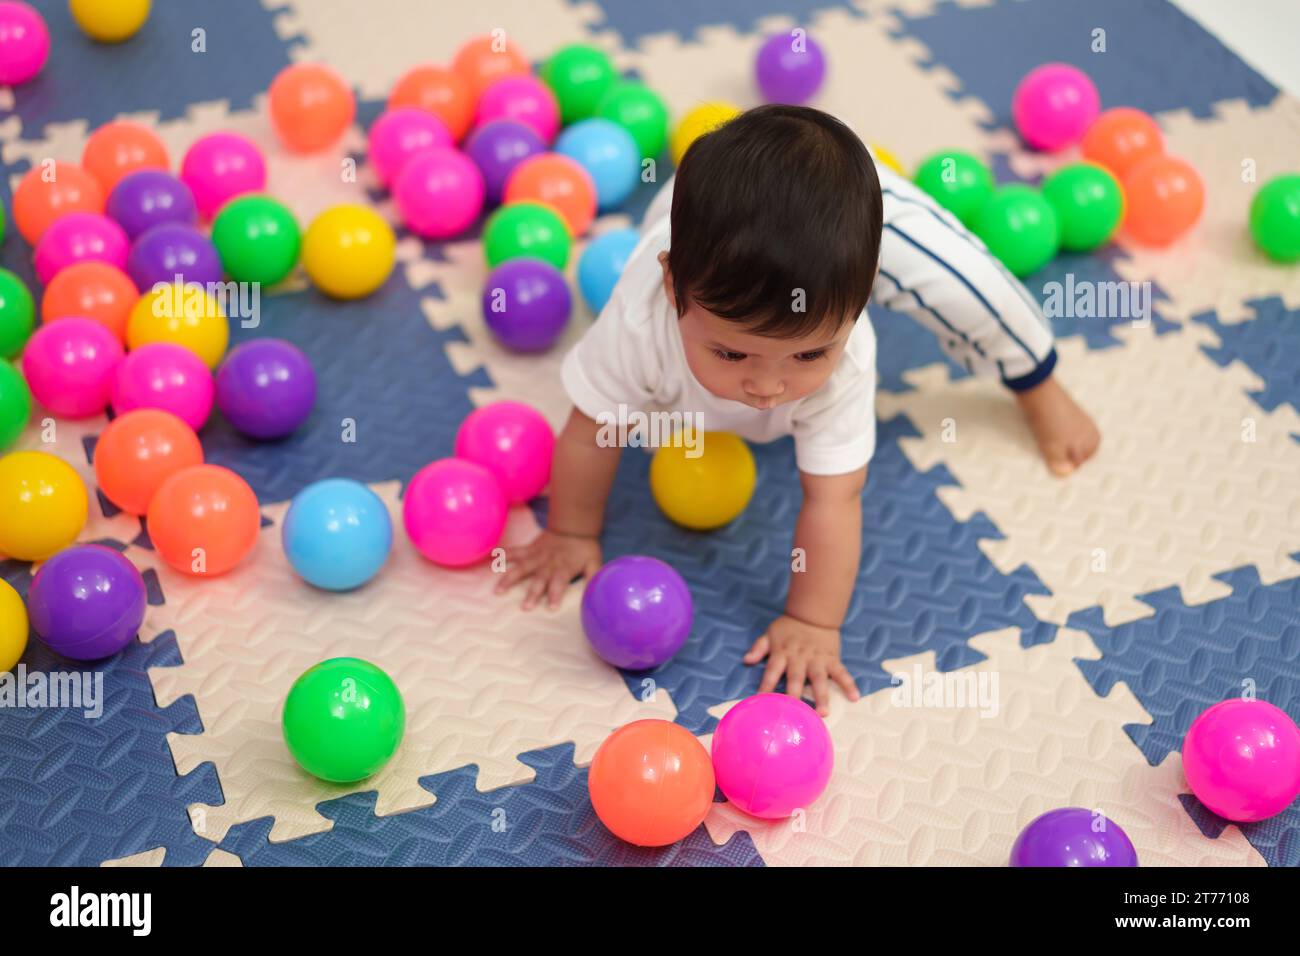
(484, 60)
(118, 149)
(140, 450)
(92, 290)
(439, 91)
(47, 192)
(203, 520)
(558, 181)
(1121, 138)
(651, 783)
(311, 106)
(1164, 197)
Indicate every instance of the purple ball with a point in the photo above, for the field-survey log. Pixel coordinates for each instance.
(170, 249)
(149, 198)
(790, 68)
(526, 304)
(1067, 837)
(266, 388)
(87, 602)
(637, 612)
(497, 148)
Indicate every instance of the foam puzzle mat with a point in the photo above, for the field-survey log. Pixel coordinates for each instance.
(1105, 611)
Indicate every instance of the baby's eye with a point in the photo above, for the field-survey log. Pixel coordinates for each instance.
(729, 356)
(811, 356)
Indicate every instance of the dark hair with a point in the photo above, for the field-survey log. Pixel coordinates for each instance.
(779, 199)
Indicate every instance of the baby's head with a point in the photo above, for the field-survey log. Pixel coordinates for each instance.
(775, 239)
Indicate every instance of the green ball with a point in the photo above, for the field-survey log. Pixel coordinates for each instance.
(526, 229)
(343, 719)
(1019, 227)
(257, 238)
(15, 404)
(1088, 203)
(957, 181)
(578, 75)
(640, 111)
(1275, 217)
(17, 314)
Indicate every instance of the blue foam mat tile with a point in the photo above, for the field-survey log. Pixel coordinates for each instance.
(634, 20)
(1268, 344)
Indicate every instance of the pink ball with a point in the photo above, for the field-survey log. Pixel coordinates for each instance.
(78, 237)
(514, 442)
(1242, 759)
(772, 755)
(440, 193)
(400, 134)
(69, 366)
(220, 166)
(454, 512)
(24, 43)
(167, 376)
(523, 98)
(1054, 105)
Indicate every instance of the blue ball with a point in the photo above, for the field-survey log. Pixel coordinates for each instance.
(337, 534)
(609, 153)
(602, 263)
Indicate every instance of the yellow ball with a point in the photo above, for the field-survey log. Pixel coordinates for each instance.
(884, 156)
(185, 315)
(110, 21)
(44, 504)
(13, 627)
(703, 119)
(708, 490)
(348, 251)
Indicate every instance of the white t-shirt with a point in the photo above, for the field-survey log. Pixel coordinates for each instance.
(633, 356)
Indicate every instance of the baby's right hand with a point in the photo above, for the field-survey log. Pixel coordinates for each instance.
(549, 563)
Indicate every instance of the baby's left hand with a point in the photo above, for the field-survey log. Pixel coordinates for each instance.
(1066, 434)
(804, 653)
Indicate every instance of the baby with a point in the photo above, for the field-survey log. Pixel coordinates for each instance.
(745, 309)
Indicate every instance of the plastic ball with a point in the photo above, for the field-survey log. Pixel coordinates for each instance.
(399, 135)
(165, 376)
(1165, 198)
(651, 783)
(524, 99)
(454, 512)
(79, 237)
(526, 304)
(203, 520)
(1019, 226)
(790, 67)
(184, 315)
(266, 388)
(958, 181)
(1121, 138)
(173, 252)
(118, 149)
(483, 60)
(637, 612)
(1073, 836)
(526, 229)
(772, 755)
(602, 263)
(703, 119)
(1088, 202)
(436, 90)
(343, 719)
(337, 534)
(609, 153)
(17, 314)
(1054, 105)
(137, 451)
(348, 251)
(439, 193)
(559, 182)
(640, 111)
(24, 43)
(579, 75)
(44, 194)
(110, 21)
(15, 404)
(887, 158)
(1242, 760)
(220, 166)
(13, 627)
(498, 149)
(91, 290)
(705, 487)
(311, 106)
(44, 503)
(512, 440)
(1275, 218)
(87, 602)
(257, 239)
(150, 198)
(69, 366)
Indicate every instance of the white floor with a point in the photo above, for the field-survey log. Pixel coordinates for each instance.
(1264, 33)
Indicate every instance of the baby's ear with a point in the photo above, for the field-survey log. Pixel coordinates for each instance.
(668, 279)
